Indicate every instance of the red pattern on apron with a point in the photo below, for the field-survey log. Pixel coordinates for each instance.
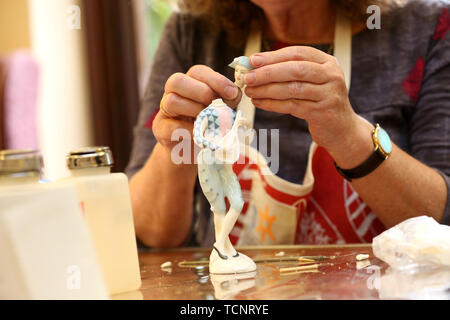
(331, 213)
(335, 212)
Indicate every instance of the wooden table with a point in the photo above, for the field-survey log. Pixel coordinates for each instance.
(338, 276)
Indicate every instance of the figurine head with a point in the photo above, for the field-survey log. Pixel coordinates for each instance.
(241, 66)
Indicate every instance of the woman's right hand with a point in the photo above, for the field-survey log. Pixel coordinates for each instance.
(185, 96)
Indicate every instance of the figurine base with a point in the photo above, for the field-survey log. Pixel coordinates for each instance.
(240, 264)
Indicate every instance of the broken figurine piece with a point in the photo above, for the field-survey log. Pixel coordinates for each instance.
(241, 66)
(216, 131)
(361, 257)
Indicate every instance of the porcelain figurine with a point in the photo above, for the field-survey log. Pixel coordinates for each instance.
(218, 131)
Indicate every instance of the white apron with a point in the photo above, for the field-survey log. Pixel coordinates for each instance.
(324, 209)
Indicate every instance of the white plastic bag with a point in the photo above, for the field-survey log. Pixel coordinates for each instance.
(419, 241)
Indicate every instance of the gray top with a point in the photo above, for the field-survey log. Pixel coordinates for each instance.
(400, 79)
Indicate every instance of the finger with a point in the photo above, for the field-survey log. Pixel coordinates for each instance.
(220, 84)
(288, 90)
(287, 71)
(293, 53)
(164, 129)
(174, 105)
(190, 88)
(297, 108)
(234, 102)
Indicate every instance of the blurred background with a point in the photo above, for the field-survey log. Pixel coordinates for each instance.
(72, 74)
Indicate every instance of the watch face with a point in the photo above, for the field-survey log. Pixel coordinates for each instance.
(384, 140)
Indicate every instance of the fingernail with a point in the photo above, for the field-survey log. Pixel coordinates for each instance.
(231, 92)
(256, 61)
(250, 77)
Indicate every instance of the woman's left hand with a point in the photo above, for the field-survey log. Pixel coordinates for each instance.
(309, 84)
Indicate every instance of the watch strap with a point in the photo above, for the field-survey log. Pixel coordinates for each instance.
(363, 169)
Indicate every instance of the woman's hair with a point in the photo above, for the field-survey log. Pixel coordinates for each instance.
(233, 16)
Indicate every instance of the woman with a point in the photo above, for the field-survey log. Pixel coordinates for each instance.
(400, 78)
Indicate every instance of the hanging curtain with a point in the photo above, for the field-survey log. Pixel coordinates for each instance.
(111, 48)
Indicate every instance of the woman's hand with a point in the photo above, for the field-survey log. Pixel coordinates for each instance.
(185, 96)
(309, 84)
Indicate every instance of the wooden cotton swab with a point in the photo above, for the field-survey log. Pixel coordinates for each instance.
(313, 266)
(284, 259)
